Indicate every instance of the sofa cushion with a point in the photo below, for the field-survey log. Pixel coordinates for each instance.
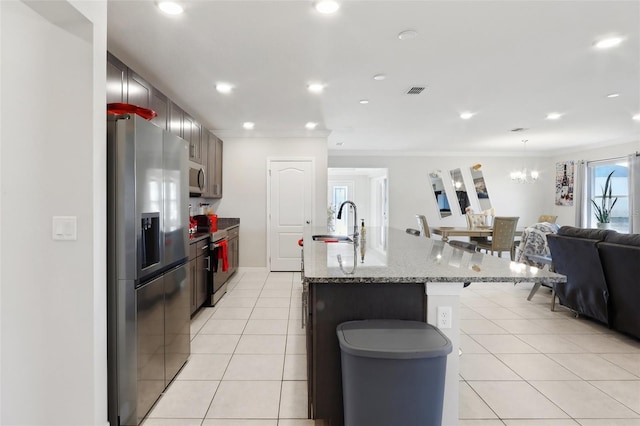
(622, 268)
(585, 290)
(624, 239)
(592, 234)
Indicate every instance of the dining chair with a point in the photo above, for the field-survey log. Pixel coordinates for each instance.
(474, 221)
(547, 218)
(504, 230)
(424, 227)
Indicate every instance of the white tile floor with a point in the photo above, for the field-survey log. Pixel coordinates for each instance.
(522, 365)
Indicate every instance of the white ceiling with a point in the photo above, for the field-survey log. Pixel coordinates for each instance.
(509, 61)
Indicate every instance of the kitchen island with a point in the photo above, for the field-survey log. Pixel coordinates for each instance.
(389, 275)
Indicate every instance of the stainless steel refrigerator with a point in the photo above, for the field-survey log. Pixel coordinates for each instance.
(148, 300)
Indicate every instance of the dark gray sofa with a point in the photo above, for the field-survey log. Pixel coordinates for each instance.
(575, 254)
(620, 257)
(603, 275)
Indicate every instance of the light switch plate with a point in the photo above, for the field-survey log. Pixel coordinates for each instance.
(65, 228)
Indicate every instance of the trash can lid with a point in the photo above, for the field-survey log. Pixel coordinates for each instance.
(392, 339)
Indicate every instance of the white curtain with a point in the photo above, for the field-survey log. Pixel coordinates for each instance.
(634, 193)
(580, 194)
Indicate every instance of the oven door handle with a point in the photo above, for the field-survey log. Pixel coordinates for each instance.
(216, 246)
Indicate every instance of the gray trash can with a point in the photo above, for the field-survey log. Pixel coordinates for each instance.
(393, 372)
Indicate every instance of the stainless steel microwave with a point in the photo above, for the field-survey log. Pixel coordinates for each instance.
(197, 179)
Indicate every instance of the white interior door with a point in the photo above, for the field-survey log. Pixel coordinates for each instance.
(290, 209)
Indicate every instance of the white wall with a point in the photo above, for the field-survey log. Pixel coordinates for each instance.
(410, 189)
(245, 187)
(566, 214)
(52, 141)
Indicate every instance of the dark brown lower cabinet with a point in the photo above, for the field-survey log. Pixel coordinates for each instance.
(199, 266)
(332, 304)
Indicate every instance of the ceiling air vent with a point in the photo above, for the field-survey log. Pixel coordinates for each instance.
(415, 90)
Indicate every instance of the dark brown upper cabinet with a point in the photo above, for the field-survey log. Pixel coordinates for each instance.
(160, 104)
(116, 80)
(138, 90)
(175, 119)
(125, 86)
(191, 132)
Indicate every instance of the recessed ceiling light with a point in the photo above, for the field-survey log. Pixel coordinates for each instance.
(170, 7)
(364, 101)
(327, 7)
(248, 125)
(613, 95)
(554, 116)
(408, 35)
(224, 87)
(316, 87)
(608, 42)
(311, 125)
(467, 115)
(379, 77)
(636, 117)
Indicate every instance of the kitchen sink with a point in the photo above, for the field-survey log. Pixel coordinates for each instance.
(332, 238)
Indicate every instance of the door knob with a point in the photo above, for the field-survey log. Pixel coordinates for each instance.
(308, 222)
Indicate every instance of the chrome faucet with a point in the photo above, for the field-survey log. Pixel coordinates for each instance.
(355, 262)
(355, 218)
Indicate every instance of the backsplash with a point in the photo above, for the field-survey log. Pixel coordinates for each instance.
(196, 207)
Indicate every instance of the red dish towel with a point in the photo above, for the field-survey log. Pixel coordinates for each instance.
(222, 254)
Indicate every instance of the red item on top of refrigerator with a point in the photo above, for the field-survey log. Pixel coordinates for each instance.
(122, 108)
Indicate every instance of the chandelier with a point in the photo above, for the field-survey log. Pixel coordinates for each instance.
(523, 175)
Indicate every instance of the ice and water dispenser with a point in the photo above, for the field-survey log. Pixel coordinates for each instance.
(150, 241)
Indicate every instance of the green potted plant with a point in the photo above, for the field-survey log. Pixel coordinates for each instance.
(603, 210)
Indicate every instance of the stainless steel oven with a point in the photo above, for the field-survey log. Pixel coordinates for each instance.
(217, 285)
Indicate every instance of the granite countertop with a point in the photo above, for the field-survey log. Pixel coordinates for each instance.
(393, 256)
(228, 222)
(224, 223)
(198, 236)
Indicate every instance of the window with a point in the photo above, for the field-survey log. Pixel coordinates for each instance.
(597, 175)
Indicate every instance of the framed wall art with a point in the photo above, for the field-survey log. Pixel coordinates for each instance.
(564, 183)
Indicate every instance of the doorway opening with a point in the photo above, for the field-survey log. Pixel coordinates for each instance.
(368, 188)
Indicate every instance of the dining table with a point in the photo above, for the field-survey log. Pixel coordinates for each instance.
(454, 231)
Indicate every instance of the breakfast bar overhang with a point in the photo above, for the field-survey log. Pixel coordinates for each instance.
(389, 274)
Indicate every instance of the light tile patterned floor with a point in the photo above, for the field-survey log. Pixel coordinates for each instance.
(522, 365)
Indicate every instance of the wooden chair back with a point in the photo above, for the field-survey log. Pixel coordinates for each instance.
(547, 218)
(424, 227)
(504, 230)
(475, 220)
